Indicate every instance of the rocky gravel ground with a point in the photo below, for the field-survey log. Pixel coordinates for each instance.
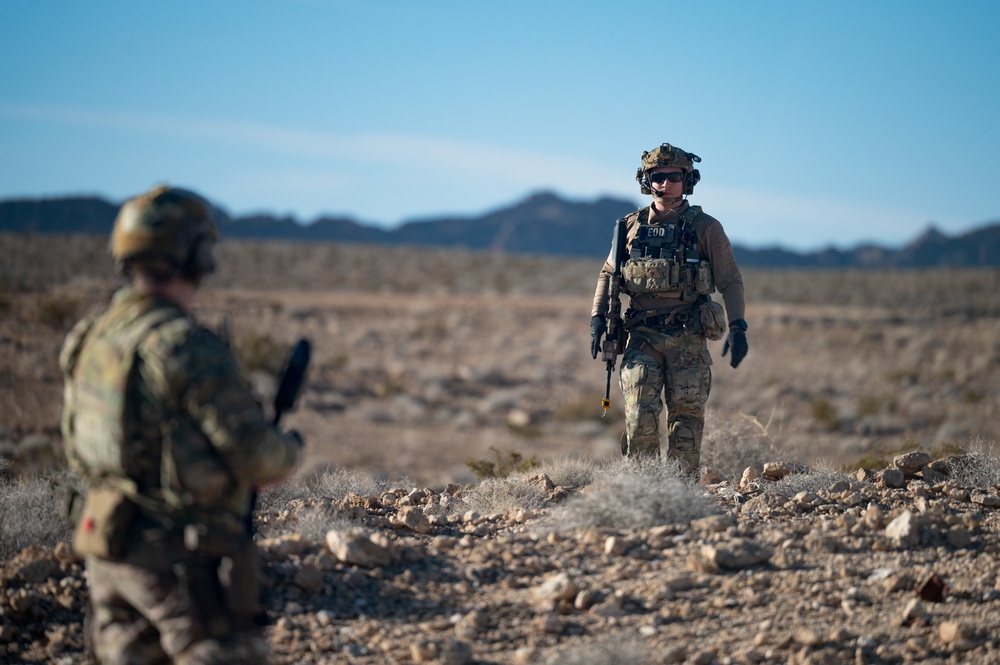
(791, 565)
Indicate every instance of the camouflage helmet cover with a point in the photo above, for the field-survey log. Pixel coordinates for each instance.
(668, 155)
(166, 228)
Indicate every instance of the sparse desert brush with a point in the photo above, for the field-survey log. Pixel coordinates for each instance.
(870, 405)
(257, 352)
(314, 524)
(731, 444)
(58, 310)
(337, 483)
(31, 511)
(497, 496)
(605, 652)
(881, 457)
(821, 477)
(571, 472)
(634, 494)
(980, 467)
(503, 464)
(873, 461)
(276, 497)
(825, 413)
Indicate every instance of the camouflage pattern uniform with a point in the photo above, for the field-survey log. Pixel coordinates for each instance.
(668, 354)
(158, 417)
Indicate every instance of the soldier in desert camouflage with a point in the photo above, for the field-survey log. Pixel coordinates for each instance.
(164, 429)
(675, 256)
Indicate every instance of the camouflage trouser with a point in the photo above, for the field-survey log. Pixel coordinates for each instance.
(175, 615)
(678, 365)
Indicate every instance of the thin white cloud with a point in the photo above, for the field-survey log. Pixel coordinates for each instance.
(512, 166)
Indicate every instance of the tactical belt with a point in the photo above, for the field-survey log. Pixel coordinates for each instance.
(674, 318)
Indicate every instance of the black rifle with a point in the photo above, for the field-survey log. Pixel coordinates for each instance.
(292, 379)
(614, 338)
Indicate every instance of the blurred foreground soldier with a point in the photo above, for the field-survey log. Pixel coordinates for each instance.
(171, 442)
(671, 258)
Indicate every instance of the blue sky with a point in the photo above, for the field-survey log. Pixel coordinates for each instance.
(818, 123)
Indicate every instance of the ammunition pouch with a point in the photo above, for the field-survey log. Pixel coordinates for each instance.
(713, 320)
(101, 524)
(666, 277)
(646, 275)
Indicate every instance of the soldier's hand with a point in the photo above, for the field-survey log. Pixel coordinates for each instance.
(598, 326)
(737, 341)
(294, 435)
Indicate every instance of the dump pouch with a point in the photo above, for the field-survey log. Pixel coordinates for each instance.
(713, 320)
(103, 526)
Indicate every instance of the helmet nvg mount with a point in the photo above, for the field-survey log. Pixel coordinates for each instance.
(167, 230)
(668, 155)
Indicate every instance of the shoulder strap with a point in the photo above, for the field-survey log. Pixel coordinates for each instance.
(686, 223)
(689, 215)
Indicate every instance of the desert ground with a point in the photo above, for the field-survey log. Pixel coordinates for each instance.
(427, 361)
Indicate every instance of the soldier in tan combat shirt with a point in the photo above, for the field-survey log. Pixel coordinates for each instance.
(164, 429)
(675, 257)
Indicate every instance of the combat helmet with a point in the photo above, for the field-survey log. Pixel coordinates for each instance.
(668, 155)
(166, 230)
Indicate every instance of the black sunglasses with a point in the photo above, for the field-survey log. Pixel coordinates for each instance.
(673, 176)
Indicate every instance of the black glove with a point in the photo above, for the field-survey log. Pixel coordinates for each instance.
(295, 436)
(737, 340)
(598, 326)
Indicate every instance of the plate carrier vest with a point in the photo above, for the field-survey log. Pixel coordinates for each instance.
(664, 260)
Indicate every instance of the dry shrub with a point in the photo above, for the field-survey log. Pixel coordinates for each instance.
(314, 524)
(634, 494)
(257, 352)
(821, 477)
(569, 472)
(731, 445)
(498, 496)
(337, 483)
(31, 511)
(504, 463)
(58, 310)
(980, 467)
(276, 497)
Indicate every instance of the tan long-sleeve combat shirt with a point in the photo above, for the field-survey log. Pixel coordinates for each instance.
(714, 246)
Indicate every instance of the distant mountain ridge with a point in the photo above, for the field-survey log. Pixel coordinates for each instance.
(543, 223)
